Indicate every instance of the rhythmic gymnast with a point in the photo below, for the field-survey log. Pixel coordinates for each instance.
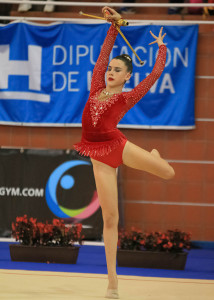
(107, 146)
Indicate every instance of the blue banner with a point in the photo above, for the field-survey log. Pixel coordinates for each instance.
(46, 70)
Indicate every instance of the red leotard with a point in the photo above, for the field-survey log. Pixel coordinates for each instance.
(101, 139)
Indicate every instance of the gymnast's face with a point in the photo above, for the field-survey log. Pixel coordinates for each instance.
(117, 73)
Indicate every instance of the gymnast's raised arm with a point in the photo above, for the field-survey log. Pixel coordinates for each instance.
(144, 86)
(98, 77)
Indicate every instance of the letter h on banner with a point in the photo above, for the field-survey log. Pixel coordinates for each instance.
(30, 67)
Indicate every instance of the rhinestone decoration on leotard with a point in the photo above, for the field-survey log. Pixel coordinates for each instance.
(98, 107)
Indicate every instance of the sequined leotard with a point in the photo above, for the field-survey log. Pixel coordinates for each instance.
(101, 139)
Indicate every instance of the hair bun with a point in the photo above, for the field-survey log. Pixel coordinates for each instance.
(127, 57)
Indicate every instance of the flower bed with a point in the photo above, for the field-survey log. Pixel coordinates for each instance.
(171, 241)
(153, 250)
(45, 242)
(30, 232)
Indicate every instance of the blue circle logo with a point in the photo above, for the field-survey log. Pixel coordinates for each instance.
(67, 182)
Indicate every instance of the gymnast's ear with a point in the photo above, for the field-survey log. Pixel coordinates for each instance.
(128, 76)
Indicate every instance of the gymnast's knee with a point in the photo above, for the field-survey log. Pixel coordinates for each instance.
(110, 220)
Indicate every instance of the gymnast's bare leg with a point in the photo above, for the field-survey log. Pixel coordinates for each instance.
(106, 183)
(151, 162)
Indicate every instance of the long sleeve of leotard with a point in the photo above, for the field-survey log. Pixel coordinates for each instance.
(132, 97)
(98, 77)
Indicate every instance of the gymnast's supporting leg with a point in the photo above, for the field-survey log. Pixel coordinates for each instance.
(151, 162)
(106, 184)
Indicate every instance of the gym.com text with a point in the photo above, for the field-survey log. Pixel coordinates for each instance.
(25, 192)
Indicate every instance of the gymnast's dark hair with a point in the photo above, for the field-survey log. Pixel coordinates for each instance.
(127, 61)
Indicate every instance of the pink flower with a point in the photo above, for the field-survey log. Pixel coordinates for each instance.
(57, 222)
(79, 227)
(169, 245)
(32, 220)
(13, 227)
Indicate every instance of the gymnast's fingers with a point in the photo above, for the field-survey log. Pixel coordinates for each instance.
(160, 33)
(154, 36)
(153, 42)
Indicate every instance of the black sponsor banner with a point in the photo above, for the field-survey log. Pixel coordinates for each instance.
(47, 184)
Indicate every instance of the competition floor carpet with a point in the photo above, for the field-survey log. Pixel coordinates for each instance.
(88, 278)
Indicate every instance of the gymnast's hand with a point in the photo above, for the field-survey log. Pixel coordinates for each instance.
(110, 14)
(159, 39)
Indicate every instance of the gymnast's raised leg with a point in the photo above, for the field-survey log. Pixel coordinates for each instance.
(151, 162)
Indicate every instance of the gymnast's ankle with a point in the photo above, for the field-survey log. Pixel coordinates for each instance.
(113, 282)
